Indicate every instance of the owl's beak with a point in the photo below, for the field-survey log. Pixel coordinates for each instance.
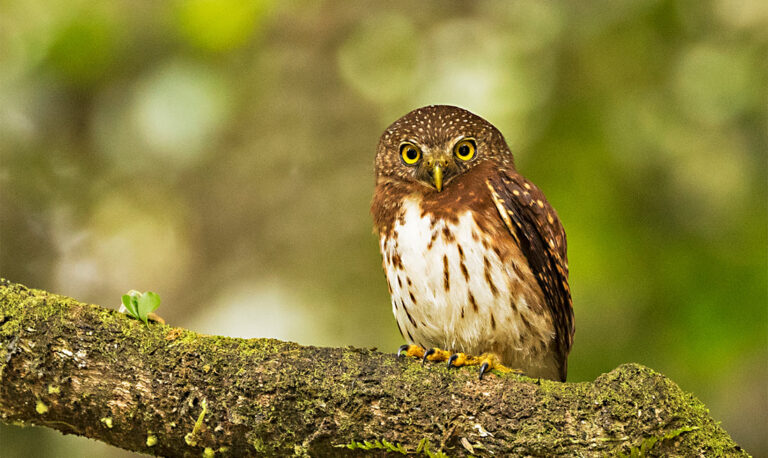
(437, 176)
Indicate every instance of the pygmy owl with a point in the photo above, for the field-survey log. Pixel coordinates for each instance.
(474, 255)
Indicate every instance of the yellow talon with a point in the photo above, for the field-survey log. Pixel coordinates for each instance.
(486, 361)
(439, 355)
(410, 350)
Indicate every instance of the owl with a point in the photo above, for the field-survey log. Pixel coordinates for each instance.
(474, 255)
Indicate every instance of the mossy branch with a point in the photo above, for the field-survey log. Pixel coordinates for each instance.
(86, 370)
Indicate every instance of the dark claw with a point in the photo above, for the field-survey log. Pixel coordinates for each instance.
(452, 359)
(427, 353)
(402, 349)
(483, 369)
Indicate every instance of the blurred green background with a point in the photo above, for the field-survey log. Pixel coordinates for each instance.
(220, 153)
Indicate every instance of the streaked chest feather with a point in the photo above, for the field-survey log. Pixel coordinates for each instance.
(453, 288)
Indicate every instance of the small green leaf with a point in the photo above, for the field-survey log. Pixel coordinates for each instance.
(129, 301)
(148, 303)
(140, 305)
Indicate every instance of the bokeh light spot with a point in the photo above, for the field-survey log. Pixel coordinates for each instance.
(219, 25)
(127, 243)
(716, 84)
(178, 109)
(83, 49)
(378, 59)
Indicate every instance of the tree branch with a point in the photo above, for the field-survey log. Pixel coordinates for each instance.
(86, 370)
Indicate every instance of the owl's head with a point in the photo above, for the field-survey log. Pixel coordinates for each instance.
(433, 145)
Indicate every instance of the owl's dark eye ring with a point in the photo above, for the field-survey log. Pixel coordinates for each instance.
(465, 149)
(410, 153)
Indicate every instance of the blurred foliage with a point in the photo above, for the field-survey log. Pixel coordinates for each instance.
(221, 153)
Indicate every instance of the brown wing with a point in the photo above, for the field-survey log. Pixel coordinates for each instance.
(537, 229)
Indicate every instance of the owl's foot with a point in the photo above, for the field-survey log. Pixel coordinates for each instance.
(486, 361)
(432, 354)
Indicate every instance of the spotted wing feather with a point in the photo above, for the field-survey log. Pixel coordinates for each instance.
(536, 228)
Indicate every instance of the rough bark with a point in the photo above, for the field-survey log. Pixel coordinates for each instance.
(86, 370)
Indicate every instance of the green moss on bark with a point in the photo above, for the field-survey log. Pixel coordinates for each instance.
(209, 394)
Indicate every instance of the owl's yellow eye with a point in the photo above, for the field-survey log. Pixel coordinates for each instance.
(465, 149)
(410, 153)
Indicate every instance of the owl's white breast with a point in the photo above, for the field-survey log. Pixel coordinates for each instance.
(451, 290)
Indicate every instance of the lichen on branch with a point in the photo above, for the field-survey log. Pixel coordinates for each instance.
(86, 370)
